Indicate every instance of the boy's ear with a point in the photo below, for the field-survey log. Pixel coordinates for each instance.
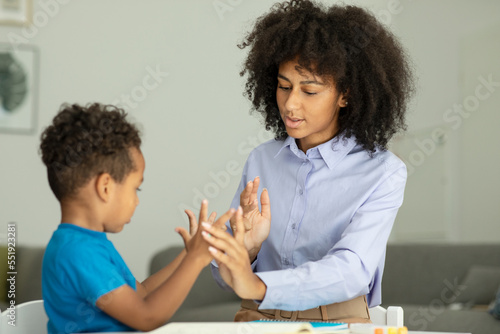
(104, 185)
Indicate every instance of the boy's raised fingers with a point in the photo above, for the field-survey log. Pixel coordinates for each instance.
(212, 216)
(219, 223)
(193, 224)
(203, 217)
(184, 234)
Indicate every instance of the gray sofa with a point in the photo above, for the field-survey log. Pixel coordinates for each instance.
(443, 287)
(427, 280)
(28, 284)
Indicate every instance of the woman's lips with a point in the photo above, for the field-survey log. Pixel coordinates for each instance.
(293, 122)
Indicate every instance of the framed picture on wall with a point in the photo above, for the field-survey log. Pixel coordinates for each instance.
(18, 88)
(16, 12)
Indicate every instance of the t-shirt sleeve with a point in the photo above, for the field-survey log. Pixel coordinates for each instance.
(92, 275)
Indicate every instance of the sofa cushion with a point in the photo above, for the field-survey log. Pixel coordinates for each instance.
(220, 312)
(420, 273)
(442, 319)
(3, 276)
(29, 273)
(495, 310)
(480, 285)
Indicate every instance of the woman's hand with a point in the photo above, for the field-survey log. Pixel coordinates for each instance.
(232, 258)
(257, 223)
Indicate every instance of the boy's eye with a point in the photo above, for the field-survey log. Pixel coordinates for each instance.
(139, 189)
(283, 87)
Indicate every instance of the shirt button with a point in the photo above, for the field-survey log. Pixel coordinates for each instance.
(301, 192)
(293, 226)
(286, 262)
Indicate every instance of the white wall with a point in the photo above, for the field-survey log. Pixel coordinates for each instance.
(452, 190)
(196, 123)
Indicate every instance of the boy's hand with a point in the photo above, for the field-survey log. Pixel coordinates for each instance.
(232, 258)
(193, 225)
(196, 246)
(257, 223)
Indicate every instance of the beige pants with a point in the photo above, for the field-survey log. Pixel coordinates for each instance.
(354, 310)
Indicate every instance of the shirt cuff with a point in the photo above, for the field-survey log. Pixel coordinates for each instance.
(278, 290)
(253, 265)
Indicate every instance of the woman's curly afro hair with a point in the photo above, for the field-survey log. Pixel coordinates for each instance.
(345, 43)
(83, 142)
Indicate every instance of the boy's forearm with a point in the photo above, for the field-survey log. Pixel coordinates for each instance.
(156, 279)
(152, 311)
(169, 295)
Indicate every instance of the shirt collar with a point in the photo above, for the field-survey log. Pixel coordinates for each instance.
(288, 142)
(76, 228)
(332, 152)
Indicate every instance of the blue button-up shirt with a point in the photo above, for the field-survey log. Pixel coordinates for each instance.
(332, 210)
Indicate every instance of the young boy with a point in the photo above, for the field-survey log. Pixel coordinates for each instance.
(95, 168)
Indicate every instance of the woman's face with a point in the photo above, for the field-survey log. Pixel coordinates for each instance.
(309, 105)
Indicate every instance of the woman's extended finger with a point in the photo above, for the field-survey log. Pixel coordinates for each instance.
(223, 258)
(222, 240)
(228, 255)
(239, 234)
(232, 222)
(265, 204)
(220, 258)
(215, 231)
(218, 243)
(245, 194)
(255, 189)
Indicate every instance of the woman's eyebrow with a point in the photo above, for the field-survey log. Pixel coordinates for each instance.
(306, 82)
(314, 82)
(280, 76)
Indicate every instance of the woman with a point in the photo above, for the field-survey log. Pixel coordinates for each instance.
(332, 84)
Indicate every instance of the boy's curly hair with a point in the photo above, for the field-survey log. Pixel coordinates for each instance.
(83, 142)
(344, 42)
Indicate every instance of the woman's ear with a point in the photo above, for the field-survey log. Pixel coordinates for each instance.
(104, 186)
(343, 99)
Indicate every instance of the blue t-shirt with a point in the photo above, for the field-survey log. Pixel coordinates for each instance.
(80, 266)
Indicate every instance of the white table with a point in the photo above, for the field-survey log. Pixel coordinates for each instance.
(228, 328)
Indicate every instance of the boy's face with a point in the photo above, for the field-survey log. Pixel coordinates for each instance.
(125, 199)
